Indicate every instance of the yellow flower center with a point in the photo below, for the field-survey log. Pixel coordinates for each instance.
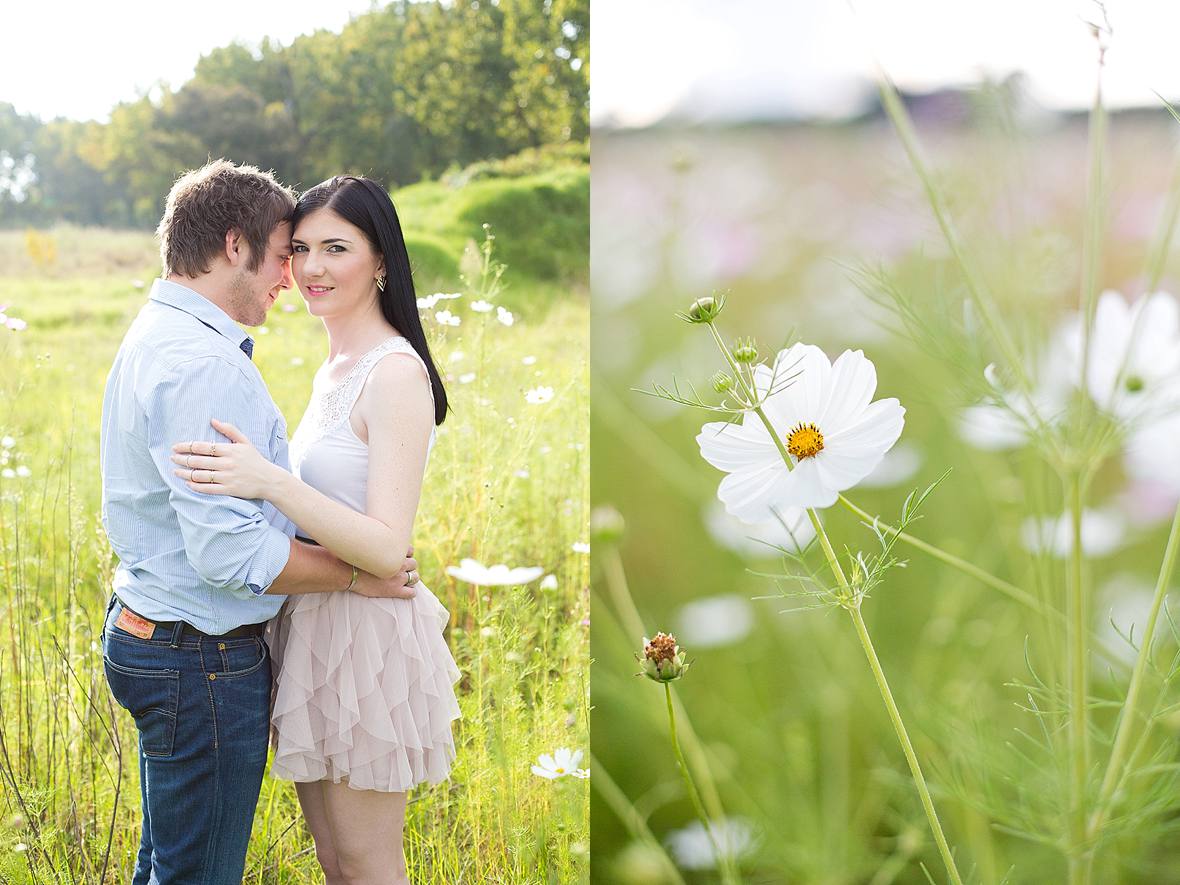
(805, 441)
(560, 769)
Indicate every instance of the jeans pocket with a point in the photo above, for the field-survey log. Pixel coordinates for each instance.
(152, 698)
(242, 658)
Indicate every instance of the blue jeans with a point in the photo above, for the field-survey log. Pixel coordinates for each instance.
(202, 709)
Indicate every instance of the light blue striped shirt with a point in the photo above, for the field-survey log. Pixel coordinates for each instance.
(204, 559)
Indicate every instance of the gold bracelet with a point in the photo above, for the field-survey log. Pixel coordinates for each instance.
(352, 583)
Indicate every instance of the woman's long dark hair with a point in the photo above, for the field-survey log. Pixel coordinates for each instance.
(365, 204)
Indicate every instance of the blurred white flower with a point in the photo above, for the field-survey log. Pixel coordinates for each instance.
(580, 547)
(539, 395)
(446, 318)
(500, 575)
(991, 427)
(759, 539)
(16, 325)
(505, 316)
(430, 300)
(8, 442)
(1103, 532)
(456, 356)
(1124, 605)
(528, 360)
(137, 284)
(8, 473)
(549, 582)
(562, 762)
(822, 413)
(715, 621)
(466, 377)
(1134, 363)
(22, 470)
(1150, 454)
(521, 474)
(481, 306)
(289, 308)
(297, 361)
(262, 330)
(899, 464)
(692, 849)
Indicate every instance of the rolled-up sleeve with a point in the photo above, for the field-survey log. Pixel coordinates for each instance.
(228, 541)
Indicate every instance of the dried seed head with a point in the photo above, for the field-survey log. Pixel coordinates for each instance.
(662, 659)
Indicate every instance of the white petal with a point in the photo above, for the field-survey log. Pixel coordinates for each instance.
(804, 488)
(749, 494)
(854, 381)
(876, 430)
(731, 447)
(805, 371)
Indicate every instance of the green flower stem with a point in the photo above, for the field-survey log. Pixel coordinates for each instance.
(724, 861)
(1078, 667)
(616, 582)
(851, 603)
(866, 642)
(1122, 739)
(1008, 589)
(631, 818)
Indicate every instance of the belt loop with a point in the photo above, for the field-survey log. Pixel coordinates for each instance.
(102, 633)
(177, 632)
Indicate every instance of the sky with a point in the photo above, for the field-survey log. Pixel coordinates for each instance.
(78, 58)
(736, 59)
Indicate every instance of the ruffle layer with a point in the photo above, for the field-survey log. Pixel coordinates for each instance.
(363, 691)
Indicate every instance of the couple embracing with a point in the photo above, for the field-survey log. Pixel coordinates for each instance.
(264, 596)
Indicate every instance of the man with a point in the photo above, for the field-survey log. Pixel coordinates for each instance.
(199, 575)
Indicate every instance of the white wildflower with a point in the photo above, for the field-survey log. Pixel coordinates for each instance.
(823, 416)
(500, 575)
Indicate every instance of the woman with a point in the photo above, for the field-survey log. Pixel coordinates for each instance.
(363, 698)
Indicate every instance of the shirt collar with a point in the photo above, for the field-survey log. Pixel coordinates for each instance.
(184, 298)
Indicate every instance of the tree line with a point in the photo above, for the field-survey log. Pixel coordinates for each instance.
(402, 93)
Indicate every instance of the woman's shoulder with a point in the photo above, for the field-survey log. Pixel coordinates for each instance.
(399, 375)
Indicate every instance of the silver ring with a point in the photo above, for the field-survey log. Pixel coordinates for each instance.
(213, 449)
(188, 461)
(416, 578)
(212, 476)
(192, 475)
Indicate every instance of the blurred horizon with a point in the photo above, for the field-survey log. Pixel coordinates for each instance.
(703, 63)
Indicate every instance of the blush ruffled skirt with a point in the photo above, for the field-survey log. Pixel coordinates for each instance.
(363, 691)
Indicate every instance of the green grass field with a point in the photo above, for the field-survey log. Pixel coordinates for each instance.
(507, 482)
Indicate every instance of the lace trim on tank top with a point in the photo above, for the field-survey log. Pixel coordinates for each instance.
(328, 411)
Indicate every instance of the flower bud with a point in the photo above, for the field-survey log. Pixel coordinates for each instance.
(662, 659)
(606, 525)
(704, 310)
(722, 382)
(745, 351)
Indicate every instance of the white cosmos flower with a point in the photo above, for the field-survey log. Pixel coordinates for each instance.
(8, 473)
(824, 418)
(8, 442)
(505, 316)
(539, 395)
(580, 547)
(562, 762)
(715, 620)
(446, 318)
(1103, 532)
(466, 377)
(474, 572)
(528, 360)
(693, 850)
(549, 582)
(759, 539)
(1150, 454)
(16, 325)
(22, 470)
(1134, 360)
(481, 306)
(456, 356)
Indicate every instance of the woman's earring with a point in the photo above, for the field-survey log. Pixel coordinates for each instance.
(381, 283)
